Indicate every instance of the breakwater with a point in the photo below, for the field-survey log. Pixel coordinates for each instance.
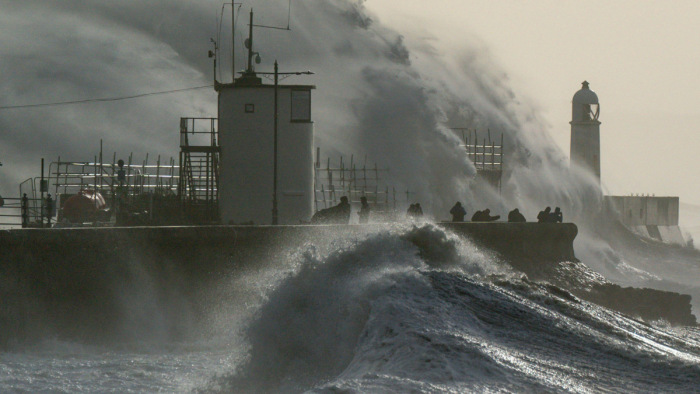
(87, 282)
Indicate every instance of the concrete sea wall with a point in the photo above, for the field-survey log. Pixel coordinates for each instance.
(87, 282)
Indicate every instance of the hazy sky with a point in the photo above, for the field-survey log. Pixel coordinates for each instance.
(642, 58)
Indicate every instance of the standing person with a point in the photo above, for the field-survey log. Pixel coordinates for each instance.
(458, 212)
(343, 211)
(364, 210)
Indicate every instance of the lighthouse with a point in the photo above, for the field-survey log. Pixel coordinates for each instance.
(266, 138)
(585, 131)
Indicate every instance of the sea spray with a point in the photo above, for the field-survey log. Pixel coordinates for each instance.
(417, 309)
(306, 332)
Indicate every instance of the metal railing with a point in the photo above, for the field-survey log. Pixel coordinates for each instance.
(27, 212)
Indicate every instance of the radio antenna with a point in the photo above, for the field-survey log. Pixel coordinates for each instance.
(289, 17)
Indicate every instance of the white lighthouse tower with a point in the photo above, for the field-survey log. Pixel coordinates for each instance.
(266, 138)
(585, 130)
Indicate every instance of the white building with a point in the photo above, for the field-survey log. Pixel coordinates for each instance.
(585, 130)
(247, 140)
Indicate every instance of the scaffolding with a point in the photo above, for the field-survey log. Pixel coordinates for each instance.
(486, 156)
(347, 179)
(71, 177)
(198, 186)
(160, 193)
(145, 189)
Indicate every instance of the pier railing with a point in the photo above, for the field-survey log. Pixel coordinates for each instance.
(26, 212)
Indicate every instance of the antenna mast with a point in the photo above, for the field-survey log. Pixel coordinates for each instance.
(233, 37)
(250, 43)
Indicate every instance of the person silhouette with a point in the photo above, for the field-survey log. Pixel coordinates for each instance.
(338, 214)
(343, 211)
(557, 216)
(484, 216)
(458, 212)
(364, 210)
(476, 217)
(418, 211)
(515, 216)
(410, 212)
(543, 216)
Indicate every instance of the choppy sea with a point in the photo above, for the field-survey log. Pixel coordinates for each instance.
(406, 310)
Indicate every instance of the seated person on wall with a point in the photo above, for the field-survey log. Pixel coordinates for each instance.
(484, 216)
(476, 216)
(339, 214)
(458, 212)
(550, 217)
(515, 216)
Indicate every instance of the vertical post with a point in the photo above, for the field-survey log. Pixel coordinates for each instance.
(274, 178)
(233, 44)
(145, 181)
(25, 211)
(128, 176)
(501, 165)
(49, 210)
(114, 164)
(157, 173)
(250, 43)
(41, 194)
(95, 199)
(101, 168)
(351, 182)
(58, 171)
(342, 175)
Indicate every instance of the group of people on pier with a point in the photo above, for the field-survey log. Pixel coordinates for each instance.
(340, 214)
(546, 216)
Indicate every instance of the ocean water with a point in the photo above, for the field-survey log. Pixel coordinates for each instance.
(412, 309)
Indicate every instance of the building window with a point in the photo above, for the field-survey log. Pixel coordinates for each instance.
(641, 213)
(301, 106)
(249, 108)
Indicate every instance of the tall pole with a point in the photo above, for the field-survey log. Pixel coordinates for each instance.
(41, 194)
(274, 177)
(233, 43)
(250, 43)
